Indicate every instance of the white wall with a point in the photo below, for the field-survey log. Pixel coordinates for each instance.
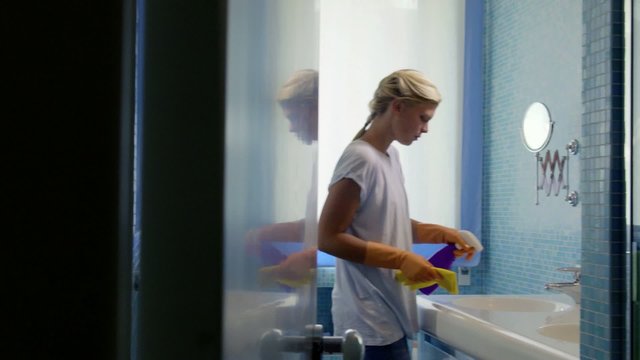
(361, 41)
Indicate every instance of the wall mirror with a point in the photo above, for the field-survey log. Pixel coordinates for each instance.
(536, 127)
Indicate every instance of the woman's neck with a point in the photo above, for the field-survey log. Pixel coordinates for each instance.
(379, 135)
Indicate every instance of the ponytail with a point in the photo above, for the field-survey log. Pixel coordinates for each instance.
(364, 128)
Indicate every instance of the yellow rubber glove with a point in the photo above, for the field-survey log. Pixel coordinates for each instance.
(269, 275)
(298, 269)
(413, 266)
(449, 281)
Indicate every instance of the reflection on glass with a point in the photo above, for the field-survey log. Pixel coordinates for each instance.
(270, 173)
(632, 154)
(286, 250)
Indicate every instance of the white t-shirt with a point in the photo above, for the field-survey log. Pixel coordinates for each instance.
(365, 298)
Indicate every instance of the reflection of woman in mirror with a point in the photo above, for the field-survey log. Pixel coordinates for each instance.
(298, 99)
(365, 221)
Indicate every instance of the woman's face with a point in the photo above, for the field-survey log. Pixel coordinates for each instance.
(303, 121)
(412, 120)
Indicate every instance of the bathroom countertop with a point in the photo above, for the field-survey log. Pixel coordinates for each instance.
(493, 334)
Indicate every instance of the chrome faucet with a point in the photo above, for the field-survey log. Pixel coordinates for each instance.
(570, 288)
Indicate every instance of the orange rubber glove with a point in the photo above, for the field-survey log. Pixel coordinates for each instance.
(413, 266)
(438, 234)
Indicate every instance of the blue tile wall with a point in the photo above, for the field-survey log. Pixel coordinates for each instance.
(533, 53)
(603, 185)
(325, 277)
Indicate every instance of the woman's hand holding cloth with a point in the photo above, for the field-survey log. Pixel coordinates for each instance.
(413, 266)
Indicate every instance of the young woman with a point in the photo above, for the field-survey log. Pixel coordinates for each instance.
(365, 221)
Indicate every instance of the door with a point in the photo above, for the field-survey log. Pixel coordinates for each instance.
(270, 194)
(179, 150)
(226, 205)
(633, 94)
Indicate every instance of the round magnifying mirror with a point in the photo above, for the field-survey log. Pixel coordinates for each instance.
(536, 127)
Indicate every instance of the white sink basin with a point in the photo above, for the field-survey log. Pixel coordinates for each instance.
(566, 332)
(516, 304)
(503, 326)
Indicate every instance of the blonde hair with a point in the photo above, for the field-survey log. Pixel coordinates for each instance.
(302, 87)
(409, 86)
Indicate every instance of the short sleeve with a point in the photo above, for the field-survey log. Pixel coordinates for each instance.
(356, 164)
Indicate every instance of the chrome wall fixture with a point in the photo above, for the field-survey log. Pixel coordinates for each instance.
(550, 173)
(551, 168)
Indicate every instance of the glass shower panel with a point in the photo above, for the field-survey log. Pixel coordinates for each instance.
(635, 176)
(270, 173)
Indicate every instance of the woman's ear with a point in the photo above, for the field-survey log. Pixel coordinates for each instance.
(396, 105)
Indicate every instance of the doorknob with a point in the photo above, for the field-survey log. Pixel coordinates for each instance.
(273, 344)
(352, 346)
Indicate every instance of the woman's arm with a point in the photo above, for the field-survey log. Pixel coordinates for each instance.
(337, 214)
(292, 231)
